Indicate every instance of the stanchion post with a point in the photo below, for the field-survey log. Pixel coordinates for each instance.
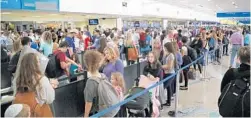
(177, 93)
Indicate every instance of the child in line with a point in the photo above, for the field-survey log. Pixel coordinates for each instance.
(118, 83)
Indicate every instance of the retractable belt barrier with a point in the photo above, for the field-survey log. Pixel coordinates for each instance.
(103, 112)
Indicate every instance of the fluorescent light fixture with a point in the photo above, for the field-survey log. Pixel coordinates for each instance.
(5, 13)
(53, 14)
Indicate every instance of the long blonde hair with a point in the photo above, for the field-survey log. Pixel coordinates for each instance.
(17, 46)
(119, 79)
(47, 37)
(30, 74)
(129, 41)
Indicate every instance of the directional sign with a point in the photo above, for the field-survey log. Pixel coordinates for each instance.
(233, 14)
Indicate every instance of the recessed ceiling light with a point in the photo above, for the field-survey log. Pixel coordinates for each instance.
(6, 13)
(209, 0)
(236, 7)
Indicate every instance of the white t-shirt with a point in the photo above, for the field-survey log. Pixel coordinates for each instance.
(76, 42)
(136, 38)
(185, 50)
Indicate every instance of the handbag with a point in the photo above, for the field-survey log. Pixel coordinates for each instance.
(191, 74)
(132, 53)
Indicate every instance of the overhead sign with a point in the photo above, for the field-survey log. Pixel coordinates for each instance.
(10, 4)
(47, 5)
(245, 21)
(233, 14)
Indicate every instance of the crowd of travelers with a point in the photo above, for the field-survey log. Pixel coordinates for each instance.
(39, 60)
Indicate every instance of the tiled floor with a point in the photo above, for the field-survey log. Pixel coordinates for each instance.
(202, 97)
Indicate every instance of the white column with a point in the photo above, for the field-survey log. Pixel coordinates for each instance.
(164, 23)
(119, 23)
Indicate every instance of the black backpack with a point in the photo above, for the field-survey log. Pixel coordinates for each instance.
(191, 53)
(53, 68)
(234, 100)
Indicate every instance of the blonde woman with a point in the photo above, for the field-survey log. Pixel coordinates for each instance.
(17, 46)
(112, 63)
(130, 50)
(46, 46)
(55, 40)
(156, 47)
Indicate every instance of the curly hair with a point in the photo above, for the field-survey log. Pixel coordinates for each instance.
(120, 80)
(29, 75)
(112, 51)
(93, 60)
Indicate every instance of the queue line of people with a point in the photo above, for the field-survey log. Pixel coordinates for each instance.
(165, 61)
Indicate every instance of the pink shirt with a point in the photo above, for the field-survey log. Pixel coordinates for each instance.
(237, 38)
(119, 92)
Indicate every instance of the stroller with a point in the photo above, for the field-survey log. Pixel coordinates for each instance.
(141, 106)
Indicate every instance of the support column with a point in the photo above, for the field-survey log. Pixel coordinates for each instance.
(119, 23)
(164, 24)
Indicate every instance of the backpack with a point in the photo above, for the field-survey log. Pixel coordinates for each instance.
(36, 109)
(107, 96)
(13, 62)
(52, 69)
(191, 53)
(234, 100)
(211, 43)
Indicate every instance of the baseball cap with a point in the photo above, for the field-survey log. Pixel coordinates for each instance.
(74, 31)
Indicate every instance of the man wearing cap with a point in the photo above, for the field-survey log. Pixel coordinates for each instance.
(70, 40)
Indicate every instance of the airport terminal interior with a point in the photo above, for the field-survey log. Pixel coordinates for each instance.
(125, 58)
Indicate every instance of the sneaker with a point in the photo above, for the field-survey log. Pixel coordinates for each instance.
(183, 88)
(167, 104)
(201, 75)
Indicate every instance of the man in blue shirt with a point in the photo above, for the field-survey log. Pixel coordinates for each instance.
(70, 40)
(96, 43)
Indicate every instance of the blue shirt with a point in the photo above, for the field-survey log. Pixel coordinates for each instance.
(46, 48)
(96, 43)
(34, 45)
(70, 42)
(247, 39)
(3, 40)
(148, 39)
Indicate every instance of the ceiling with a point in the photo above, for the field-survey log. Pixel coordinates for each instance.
(13, 15)
(210, 6)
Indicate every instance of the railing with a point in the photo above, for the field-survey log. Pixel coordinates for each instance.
(177, 74)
